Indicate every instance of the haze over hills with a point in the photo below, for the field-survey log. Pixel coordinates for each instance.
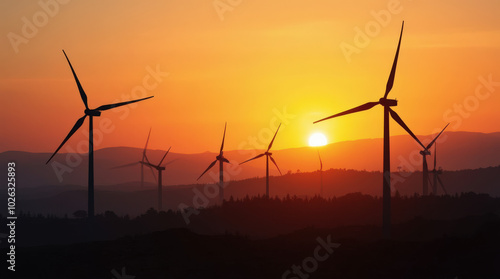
(130, 199)
(456, 150)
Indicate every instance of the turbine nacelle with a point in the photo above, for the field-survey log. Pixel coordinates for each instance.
(425, 152)
(92, 112)
(220, 157)
(268, 153)
(388, 102)
(160, 168)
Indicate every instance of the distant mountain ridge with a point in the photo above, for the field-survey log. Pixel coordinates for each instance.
(456, 150)
(131, 199)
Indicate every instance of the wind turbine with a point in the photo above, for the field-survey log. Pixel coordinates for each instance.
(159, 168)
(436, 174)
(221, 160)
(268, 155)
(91, 113)
(387, 104)
(141, 163)
(425, 168)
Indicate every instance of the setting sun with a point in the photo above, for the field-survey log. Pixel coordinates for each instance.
(317, 139)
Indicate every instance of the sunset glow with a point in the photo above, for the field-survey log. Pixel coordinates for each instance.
(254, 65)
(317, 139)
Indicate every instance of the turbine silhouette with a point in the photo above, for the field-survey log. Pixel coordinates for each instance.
(221, 160)
(425, 168)
(436, 174)
(91, 113)
(387, 104)
(159, 168)
(141, 163)
(268, 156)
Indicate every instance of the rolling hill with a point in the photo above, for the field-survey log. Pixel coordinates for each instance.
(456, 151)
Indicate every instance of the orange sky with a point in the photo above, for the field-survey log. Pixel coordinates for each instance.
(242, 66)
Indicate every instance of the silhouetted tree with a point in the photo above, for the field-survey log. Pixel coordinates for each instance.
(80, 214)
(110, 215)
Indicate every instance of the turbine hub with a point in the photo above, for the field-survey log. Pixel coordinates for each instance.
(219, 157)
(92, 112)
(388, 102)
(268, 153)
(425, 152)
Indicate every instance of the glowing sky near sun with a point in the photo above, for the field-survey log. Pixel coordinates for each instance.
(254, 65)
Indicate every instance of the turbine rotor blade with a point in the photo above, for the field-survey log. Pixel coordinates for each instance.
(320, 162)
(80, 88)
(225, 160)
(223, 138)
(147, 161)
(272, 141)
(435, 150)
(390, 82)
(146, 146)
(353, 110)
(164, 156)
(106, 107)
(430, 182)
(170, 162)
(442, 186)
(274, 162)
(398, 119)
(148, 164)
(258, 156)
(432, 142)
(77, 126)
(126, 165)
(209, 167)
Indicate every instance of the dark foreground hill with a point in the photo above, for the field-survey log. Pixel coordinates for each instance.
(345, 252)
(432, 237)
(260, 218)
